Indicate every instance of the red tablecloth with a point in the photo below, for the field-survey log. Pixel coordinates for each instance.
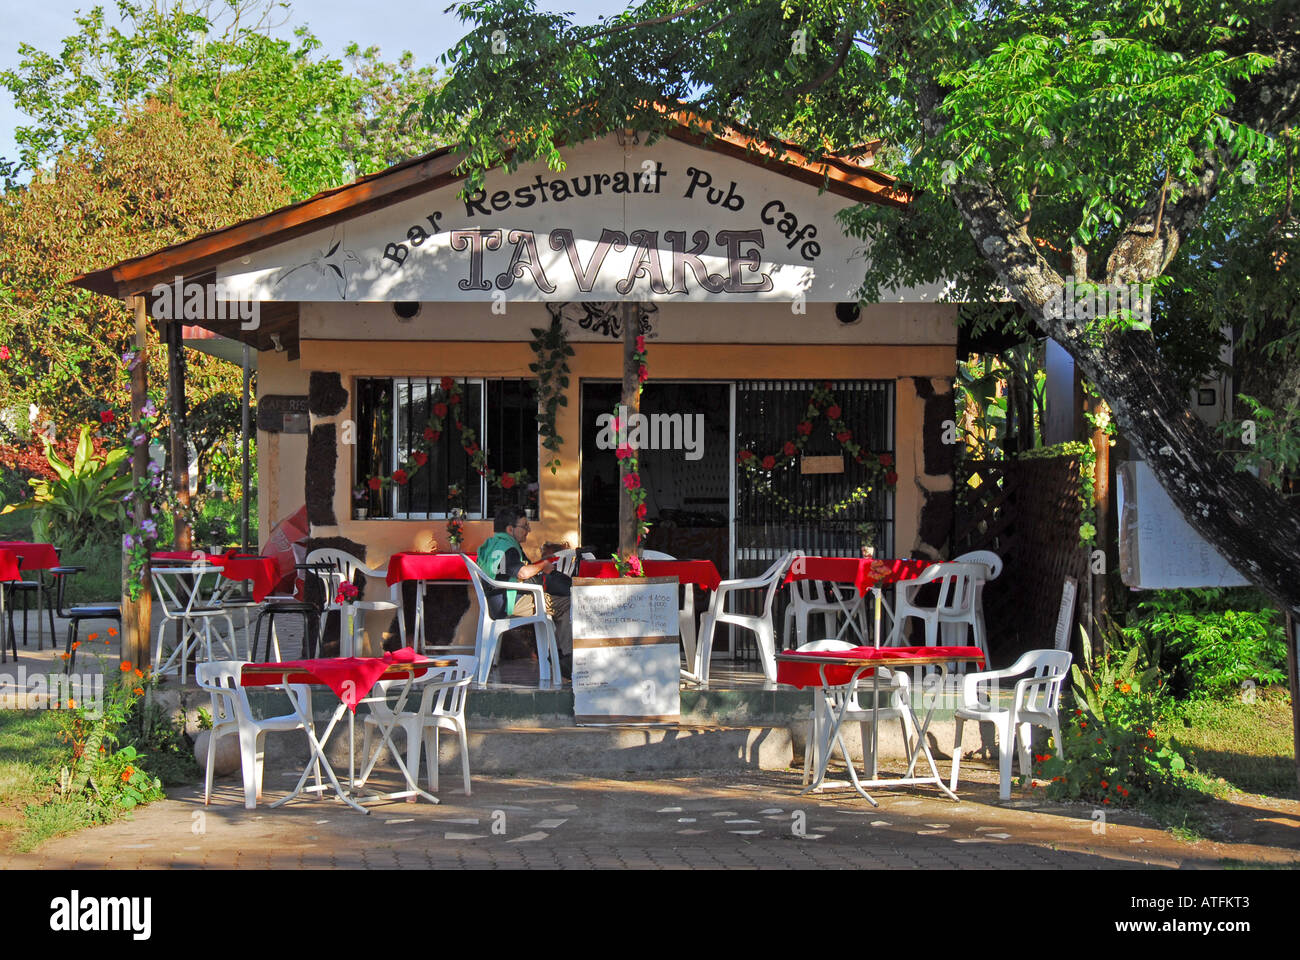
(798, 674)
(854, 570)
(427, 566)
(36, 556)
(702, 573)
(9, 566)
(349, 677)
(264, 572)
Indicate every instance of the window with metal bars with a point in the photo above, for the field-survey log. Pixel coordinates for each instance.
(392, 413)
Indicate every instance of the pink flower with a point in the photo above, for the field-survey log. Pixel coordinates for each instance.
(640, 344)
(643, 374)
(632, 481)
(634, 566)
(4, 353)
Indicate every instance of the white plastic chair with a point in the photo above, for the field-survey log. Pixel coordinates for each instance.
(761, 625)
(894, 685)
(1034, 704)
(442, 707)
(231, 711)
(808, 598)
(489, 630)
(993, 569)
(345, 570)
(686, 613)
(956, 603)
(181, 601)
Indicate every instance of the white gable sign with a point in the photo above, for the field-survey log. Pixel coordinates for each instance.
(666, 222)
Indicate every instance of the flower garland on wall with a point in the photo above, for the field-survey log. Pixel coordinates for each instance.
(630, 566)
(447, 402)
(552, 368)
(879, 467)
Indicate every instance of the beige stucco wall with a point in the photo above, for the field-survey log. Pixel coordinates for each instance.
(281, 457)
(890, 357)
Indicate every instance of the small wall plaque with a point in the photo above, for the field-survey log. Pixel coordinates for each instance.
(821, 465)
(283, 413)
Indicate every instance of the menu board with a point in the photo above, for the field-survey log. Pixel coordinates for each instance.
(626, 656)
(1158, 549)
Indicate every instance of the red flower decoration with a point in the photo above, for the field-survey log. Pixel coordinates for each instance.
(834, 411)
(431, 434)
(745, 455)
(448, 383)
(642, 374)
(769, 462)
(891, 478)
(375, 483)
(399, 477)
(440, 409)
(4, 353)
(640, 344)
(886, 459)
(624, 451)
(632, 481)
(454, 399)
(826, 384)
(472, 449)
(789, 448)
(844, 436)
(107, 416)
(641, 510)
(805, 428)
(420, 458)
(507, 480)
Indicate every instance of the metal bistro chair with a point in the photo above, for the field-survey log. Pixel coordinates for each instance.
(442, 707)
(180, 596)
(488, 639)
(761, 625)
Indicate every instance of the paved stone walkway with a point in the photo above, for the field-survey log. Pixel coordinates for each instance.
(743, 822)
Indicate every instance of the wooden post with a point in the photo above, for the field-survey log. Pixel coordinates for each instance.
(179, 452)
(1293, 681)
(244, 434)
(1101, 490)
(137, 615)
(629, 404)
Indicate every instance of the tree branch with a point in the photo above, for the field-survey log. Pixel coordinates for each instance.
(842, 54)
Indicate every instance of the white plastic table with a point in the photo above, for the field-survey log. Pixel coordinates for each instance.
(829, 691)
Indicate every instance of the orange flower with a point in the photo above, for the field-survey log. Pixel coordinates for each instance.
(72, 704)
(66, 656)
(126, 666)
(127, 774)
(138, 691)
(77, 643)
(93, 636)
(1103, 784)
(1105, 799)
(1125, 688)
(112, 631)
(139, 672)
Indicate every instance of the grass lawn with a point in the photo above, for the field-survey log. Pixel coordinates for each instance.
(30, 757)
(1234, 744)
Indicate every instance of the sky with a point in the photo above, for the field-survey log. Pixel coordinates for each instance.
(420, 26)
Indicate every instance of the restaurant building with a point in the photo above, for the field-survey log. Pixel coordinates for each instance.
(740, 278)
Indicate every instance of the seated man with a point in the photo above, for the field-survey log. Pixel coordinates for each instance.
(502, 558)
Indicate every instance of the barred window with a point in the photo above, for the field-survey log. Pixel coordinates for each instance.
(392, 414)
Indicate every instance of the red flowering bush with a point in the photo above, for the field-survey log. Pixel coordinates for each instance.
(399, 477)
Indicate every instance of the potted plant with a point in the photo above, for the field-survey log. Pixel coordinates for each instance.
(867, 535)
(360, 496)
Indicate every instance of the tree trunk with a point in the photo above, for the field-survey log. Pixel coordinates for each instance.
(628, 405)
(137, 615)
(1101, 499)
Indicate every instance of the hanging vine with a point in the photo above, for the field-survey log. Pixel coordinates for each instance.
(552, 368)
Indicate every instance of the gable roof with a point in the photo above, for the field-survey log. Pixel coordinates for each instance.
(847, 174)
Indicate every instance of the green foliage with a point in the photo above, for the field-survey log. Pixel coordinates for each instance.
(551, 346)
(84, 503)
(1211, 647)
(1274, 450)
(1113, 753)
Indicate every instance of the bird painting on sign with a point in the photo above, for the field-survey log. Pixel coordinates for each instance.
(333, 263)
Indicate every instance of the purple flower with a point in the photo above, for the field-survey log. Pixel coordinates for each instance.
(155, 467)
(129, 541)
(148, 410)
(139, 440)
(150, 528)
